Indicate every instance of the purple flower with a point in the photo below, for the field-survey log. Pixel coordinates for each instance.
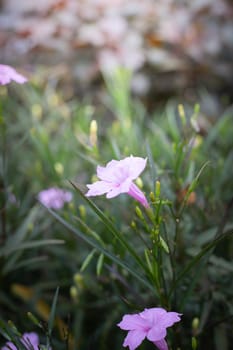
(29, 340)
(54, 198)
(8, 74)
(117, 177)
(151, 324)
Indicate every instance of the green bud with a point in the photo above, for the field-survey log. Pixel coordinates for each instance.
(164, 245)
(139, 182)
(14, 328)
(82, 211)
(93, 133)
(194, 343)
(182, 113)
(195, 323)
(157, 189)
(152, 196)
(59, 168)
(78, 279)
(33, 319)
(73, 292)
(139, 213)
(133, 225)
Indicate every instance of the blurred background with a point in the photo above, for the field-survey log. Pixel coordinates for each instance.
(174, 47)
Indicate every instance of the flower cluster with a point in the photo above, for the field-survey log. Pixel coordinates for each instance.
(29, 340)
(151, 324)
(117, 177)
(54, 198)
(8, 74)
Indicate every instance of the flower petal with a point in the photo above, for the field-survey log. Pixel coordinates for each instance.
(98, 188)
(118, 170)
(161, 344)
(9, 345)
(137, 194)
(134, 166)
(30, 340)
(115, 191)
(8, 73)
(132, 322)
(156, 333)
(170, 318)
(54, 198)
(153, 314)
(107, 173)
(134, 339)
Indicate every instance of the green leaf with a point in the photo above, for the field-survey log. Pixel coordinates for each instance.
(196, 260)
(9, 333)
(108, 223)
(26, 263)
(29, 245)
(99, 265)
(22, 231)
(87, 260)
(93, 244)
(52, 313)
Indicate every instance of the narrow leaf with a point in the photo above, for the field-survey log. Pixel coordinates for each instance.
(52, 313)
(93, 244)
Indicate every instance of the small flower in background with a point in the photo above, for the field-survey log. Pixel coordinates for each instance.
(8, 74)
(29, 340)
(54, 198)
(151, 324)
(117, 177)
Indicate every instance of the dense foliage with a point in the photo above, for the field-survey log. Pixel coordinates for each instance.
(112, 256)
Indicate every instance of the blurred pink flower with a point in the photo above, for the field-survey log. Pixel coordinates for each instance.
(117, 177)
(29, 340)
(151, 324)
(8, 74)
(54, 198)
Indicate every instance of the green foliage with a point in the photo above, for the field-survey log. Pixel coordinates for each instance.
(111, 257)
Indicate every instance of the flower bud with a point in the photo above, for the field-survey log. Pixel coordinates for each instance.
(139, 182)
(164, 245)
(59, 168)
(157, 189)
(78, 279)
(182, 114)
(93, 133)
(133, 225)
(73, 293)
(82, 211)
(195, 323)
(194, 343)
(139, 213)
(152, 196)
(14, 328)
(33, 319)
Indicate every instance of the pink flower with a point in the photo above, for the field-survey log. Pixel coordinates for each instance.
(117, 177)
(29, 340)
(151, 324)
(54, 198)
(8, 74)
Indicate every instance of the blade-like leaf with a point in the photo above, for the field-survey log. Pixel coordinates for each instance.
(52, 313)
(93, 244)
(196, 260)
(108, 223)
(29, 245)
